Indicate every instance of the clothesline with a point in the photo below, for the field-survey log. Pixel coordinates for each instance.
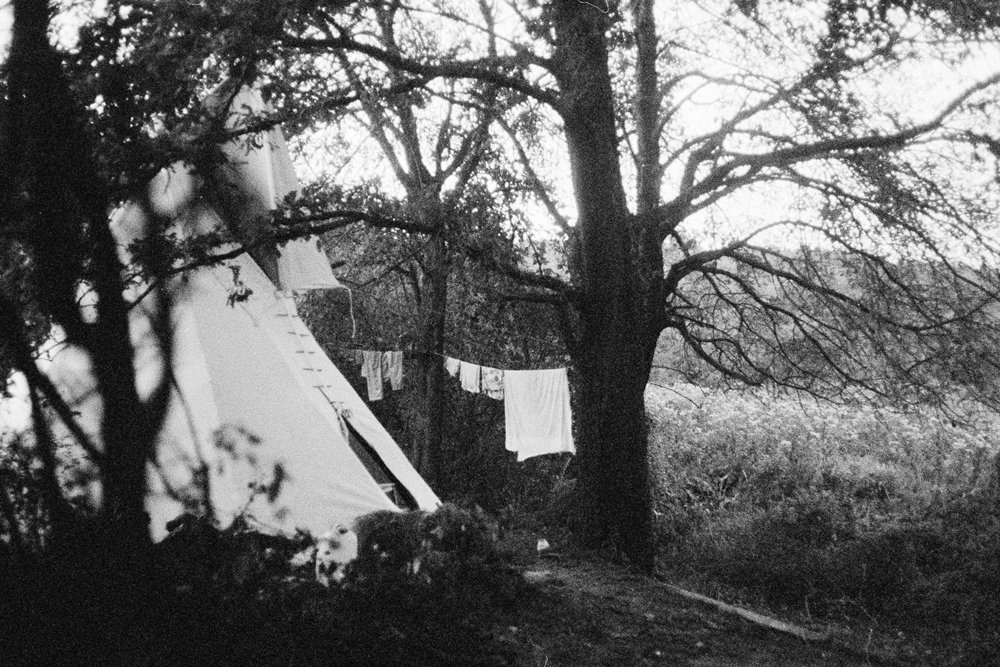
(448, 356)
(537, 414)
(378, 366)
(357, 348)
(414, 353)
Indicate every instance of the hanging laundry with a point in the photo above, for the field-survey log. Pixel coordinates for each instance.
(371, 369)
(537, 412)
(469, 374)
(452, 366)
(392, 363)
(492, 381)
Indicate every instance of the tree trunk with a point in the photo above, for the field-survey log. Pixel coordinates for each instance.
(433, 300)
(69, 211)
(612, 359)
(615, 507)
(647, 110)
(994, 486)
(434, 297)
(65, 214)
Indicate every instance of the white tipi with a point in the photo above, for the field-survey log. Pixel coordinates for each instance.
(255, 400)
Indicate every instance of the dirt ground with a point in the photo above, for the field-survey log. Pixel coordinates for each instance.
(589, 612)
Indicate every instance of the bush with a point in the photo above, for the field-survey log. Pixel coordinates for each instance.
(233, 597)
(873, 516)
(435, 582)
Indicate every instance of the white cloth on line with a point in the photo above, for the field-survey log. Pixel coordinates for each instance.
(393, 362)
(452, 366)
(469, 374)
(537, 412)
(371, 370)
(492, 382)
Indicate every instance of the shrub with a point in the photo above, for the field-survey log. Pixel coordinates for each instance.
(871, 514)
(435, 576)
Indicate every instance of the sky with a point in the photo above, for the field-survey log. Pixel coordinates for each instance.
(15, 412)
(6, 18)
(66, 25)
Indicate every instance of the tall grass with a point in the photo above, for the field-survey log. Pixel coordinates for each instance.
(845, 513)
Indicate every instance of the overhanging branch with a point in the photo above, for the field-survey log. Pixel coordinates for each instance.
(489, 69)
(719, 175)
(324, 221)
(526, 278)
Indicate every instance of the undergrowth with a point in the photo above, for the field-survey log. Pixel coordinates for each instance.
(868, 517)
(426, 589)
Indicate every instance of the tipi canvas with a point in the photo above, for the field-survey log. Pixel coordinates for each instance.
(260, 423)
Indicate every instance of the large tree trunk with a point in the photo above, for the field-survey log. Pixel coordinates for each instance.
(434, 297)
(63, 216)
(432, 303)
(614, 496)
(128, 429)
(612, 359)
(68, 211)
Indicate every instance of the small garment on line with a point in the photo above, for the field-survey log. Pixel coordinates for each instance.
(392, 362)
(469, 375)
(537, 412)
(492, 381)
(371, 370)
(452, 366)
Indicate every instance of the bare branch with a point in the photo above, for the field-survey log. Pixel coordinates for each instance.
(12, 332)
(293, 227)
(535, 181)
(376, 128)
(528, 278)
(469, 150)
(787, 156)
(489, 69)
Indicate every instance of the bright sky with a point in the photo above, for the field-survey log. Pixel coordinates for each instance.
(6, 20)
(14, 413)
(66, 24)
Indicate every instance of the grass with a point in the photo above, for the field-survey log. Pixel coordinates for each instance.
(847, 514)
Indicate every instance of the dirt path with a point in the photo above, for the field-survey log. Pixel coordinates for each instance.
(591, 613)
